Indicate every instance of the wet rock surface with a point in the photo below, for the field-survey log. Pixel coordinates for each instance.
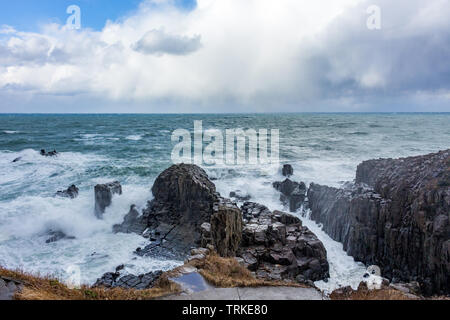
(48, 154)
(132, 223)
(396, 217)
(293, 194)
(55, 236)
(140, 282)
(184, 199)
(8, 288)
(103, 196)
(276, 246)
(71, 192)
(287, 170)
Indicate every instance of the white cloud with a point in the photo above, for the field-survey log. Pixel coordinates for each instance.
(158, 42)
(261, 54)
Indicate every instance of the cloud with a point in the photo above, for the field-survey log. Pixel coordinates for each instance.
(158, 42)
(234, 55)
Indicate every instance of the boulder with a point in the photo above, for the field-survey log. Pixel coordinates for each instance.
(184, 199)
(276, 246)
(103, 196)
(56, 236)
(240, 196)
(293, 194)
(287, 170)
(396, 216)
(48, 154)
(71, 192)
(226, 228)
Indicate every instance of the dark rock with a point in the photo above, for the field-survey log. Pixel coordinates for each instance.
(71, 192)
(48, 154)
(293, 194)
(184, 199)
(276, 246)
(226, 228)
(140, 282)
(287, 170)
(240, 196)
(396, 217)
(8, 288)
(103, 196)
(57, 235)
(133, 223)
(17, 159)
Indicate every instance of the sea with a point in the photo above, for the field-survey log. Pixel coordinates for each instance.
(135, 148)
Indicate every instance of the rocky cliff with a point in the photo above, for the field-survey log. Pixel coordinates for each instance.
(396, 216)
(187, 212)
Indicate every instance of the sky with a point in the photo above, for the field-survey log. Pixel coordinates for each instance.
(207, 56)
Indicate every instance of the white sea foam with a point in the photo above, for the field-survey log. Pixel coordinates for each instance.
(134, 137)
(10, 132)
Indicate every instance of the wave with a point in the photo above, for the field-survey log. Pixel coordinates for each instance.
(134, 137)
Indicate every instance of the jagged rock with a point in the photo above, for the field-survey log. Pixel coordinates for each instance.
(396, 217)
(141, 282)
(133, 223)
(48, 154)
(288, 170)
(103, 196)
(293, 193)
(240, 196)
(56, 236)
(71, 192)
(226, 228)
(276, 246)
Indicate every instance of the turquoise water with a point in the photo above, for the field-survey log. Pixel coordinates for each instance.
(134, 149)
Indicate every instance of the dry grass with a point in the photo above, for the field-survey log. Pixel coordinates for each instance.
(220, 272)
(228, 273)
(46, 288)
(365, 294)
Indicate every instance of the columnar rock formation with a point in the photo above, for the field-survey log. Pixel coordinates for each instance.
(276, 246)
(396, 216)
(103, 196)
(187, 213)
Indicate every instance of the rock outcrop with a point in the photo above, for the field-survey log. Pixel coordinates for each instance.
(187, 213)
(276, 246)
(184, 199)
(48, 154)
(103, 196)
(396, 217)
(140, 282)
(71, 192)
(293, 194)
(287, 170)
(55, 236)
(132, 223)
(9, 287)
(226, 228)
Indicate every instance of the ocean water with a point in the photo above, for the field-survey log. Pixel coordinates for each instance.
(134, 149)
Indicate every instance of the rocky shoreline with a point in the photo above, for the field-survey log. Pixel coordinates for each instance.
(395, 215)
